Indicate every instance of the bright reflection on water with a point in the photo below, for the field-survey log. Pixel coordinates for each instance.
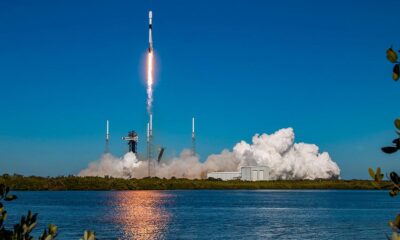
(254, 214)
(141, 214)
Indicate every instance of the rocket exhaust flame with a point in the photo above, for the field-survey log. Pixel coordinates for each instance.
(149, 82)
(150, 62)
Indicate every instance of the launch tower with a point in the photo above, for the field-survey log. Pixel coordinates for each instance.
(132, 140)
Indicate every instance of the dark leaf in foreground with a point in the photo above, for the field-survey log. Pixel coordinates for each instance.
(397, 142)
(397, 123)
(389, 150)
(391, 55)
(396, 72)
(395, 178)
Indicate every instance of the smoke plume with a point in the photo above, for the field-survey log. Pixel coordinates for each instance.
(278, 151)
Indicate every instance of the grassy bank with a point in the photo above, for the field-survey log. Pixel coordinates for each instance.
(18, 182)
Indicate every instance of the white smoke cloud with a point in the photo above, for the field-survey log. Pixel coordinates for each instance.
(108, 165)
(278, 151)
(285, 158)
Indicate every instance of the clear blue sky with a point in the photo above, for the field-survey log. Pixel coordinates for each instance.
(240, 67)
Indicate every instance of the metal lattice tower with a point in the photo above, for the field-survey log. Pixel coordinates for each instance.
(150, 143)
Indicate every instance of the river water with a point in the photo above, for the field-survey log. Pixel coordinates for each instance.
(211, 214)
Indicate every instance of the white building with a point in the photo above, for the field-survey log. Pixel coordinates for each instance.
(249, 173)
(225, 175)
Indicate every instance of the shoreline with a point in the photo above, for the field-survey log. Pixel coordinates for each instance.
(74, 183)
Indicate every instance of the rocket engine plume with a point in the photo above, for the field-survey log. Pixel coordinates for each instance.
(149, 82)
(150, 62)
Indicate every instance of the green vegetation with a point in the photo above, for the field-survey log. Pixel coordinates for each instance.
(19, 182)
(23, 229)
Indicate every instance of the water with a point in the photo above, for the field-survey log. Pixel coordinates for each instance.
(203, 214)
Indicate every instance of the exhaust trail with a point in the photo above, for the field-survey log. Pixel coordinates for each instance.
(150, 62)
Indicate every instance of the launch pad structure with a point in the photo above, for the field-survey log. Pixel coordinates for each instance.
(132, 140)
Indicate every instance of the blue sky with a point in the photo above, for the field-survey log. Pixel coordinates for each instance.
(239, 67)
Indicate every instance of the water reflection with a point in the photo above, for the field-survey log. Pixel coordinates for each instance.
(142, 214)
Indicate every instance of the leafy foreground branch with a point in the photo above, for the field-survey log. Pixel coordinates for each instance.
(394, 178)
(23, 229)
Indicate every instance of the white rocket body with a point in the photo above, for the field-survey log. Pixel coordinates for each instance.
(150, 31)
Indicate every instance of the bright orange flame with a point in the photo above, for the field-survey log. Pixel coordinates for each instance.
(149, 81)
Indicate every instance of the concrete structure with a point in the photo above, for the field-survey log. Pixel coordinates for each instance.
(248, 173)
(224, 175)
(254, 173)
